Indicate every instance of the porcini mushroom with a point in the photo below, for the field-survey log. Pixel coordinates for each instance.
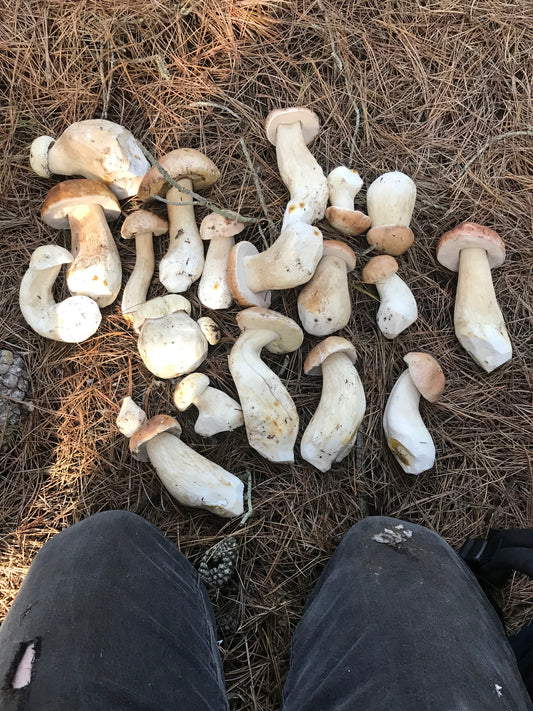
(343, 186)
(210, 330)
(324, 304)
(142, 225)
(270, 416)
(130, 418)
(398, 309)
(97, 149)
(473, 250)
(85, 207)
(213, 289)
(331, 433)
(73, 320)
(217, 412)
(390, 202)
(183, 263)
(407, 436)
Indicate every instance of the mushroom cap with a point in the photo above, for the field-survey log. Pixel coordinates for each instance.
(39, 155)
(210, 330)
(469, 235)
(236, 276)
(157, 308)
(348, 222)
(215, 225)
(49, 255)
(391, 239)
(69, 194)
(290, 335)
(189, 389)
(180, 163)
(143, 221)
(379, 268)
(334, 248)
(309, 122)
(151, 428)
(426, 374)
(331, 345)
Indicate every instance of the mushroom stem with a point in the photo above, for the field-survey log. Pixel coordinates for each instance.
(138, 283)
(478, 320)
(217, 412)
(398, 308)
(213, 289)
(343, 185)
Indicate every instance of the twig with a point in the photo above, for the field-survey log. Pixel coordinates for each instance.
(494, 139)
(106, 86)
(200, 104)
(248, 500)
(370, 249)
(258, 189)
(163, 71)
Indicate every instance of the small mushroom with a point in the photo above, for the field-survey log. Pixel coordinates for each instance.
(398, 309)
(142, 225)
(324, 304)
(213, 289)
(407, 436)
(270, 416)
(130, 418)
(183, 263)
(85, 207)
(217, 412)
(331, 433)
(473, 250)
(73, 320)
(390, 201)
(97, 149)
(343, 186)
(210, 330)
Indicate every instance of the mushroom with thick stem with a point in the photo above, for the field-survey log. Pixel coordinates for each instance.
(473, 250)
(332, 431)
(343, 186)
(217, 412)
(390, 202)
(97, 149)
(407, 436)
(324, 304)
(398, 309)
(73, 320)
(85, 207)
(213, 289)
(142, 225)
(270, 416)
(183, 263)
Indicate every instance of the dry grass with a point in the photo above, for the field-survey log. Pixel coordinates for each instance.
(440, 89)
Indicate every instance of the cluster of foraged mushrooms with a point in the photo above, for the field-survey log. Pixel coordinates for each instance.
(172, 344)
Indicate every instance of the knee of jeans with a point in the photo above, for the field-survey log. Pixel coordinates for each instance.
(388, 530)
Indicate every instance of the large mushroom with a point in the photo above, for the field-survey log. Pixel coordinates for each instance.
(407, 436)
(213, 289)
(217, 412)
(390, 202)
(343, 186)
(97, 149)
(473, 250)
(332, 431)
(270, 416)
(85, 207)
(183, 263)
(73, 320)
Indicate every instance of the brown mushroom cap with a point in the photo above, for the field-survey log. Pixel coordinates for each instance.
(181, 163)
(65, 196)
(215, 225)
(470, 235)
(348, 222)
(379, 268)
(391, 239)
(331, 345)
(309, 122)
(236, 276)
(290, 335)
(143, 221)
(189, 389)
(154, 426)
(427, 375)
(334, 248)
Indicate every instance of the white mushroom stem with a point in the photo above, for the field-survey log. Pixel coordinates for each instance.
(398, 308)
(478, 320)
(407, 436)
(183, 263)
(391, 199)
(324, 304)
(269, 413)
(137, 286)
(343, 186)
(130, 417)
(213, 289)
(217, 412)
(332, 431)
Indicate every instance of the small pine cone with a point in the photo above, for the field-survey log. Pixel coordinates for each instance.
(14, 386)
(218, 563)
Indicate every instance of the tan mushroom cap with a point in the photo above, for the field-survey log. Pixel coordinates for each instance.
(348, 222)
(154, 426)
(290, 335)
(215, 225)
(69, 194)
(189, 389)
(236, 276)
(180, 163)
(143, 221)
(391, 239)
(331, 345)
(426, 374)
(379, 268)
(309, 122)
(334, 248)
(470, 235)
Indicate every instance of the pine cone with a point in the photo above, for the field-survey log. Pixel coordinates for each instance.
(14, 386)
(218, 563)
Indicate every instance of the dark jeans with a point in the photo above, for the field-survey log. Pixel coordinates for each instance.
(120, 620)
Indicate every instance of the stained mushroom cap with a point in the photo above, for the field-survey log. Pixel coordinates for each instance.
(289, 334)
(215, 225)
(142, 221)
(180, 163)
(334, 248)
(331, 345)
(470, 235)
(309, 122)
(151, 428)
(189, 389)
(69, 194)
(379, 268)
(426, 374)
(347, 222)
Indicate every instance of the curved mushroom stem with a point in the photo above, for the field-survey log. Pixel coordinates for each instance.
(183, 263)
(331, 433)
(324, 304)
(407, 436)
(138, 283)
(217, 412)
(269, 413)
(398, 308)
(478, 320)
(213, 289)
(343, 186)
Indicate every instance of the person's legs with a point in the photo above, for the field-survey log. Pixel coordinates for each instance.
(397, 622)
(117, 618)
